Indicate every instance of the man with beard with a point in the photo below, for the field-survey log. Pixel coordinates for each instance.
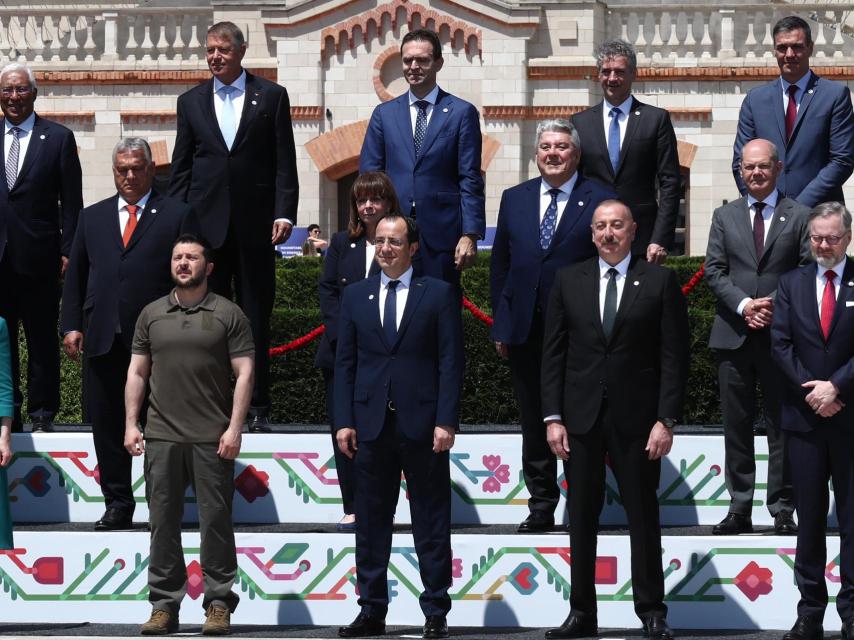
(186, 348)
(812, 338)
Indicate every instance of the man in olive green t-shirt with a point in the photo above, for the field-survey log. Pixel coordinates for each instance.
(186, 347)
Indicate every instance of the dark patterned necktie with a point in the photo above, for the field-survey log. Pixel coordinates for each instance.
(12, 160)
(420, 124)
(549, 223)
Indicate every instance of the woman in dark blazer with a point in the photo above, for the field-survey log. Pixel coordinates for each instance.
(350, 258)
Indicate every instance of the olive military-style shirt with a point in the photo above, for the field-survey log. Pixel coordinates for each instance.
(191, 394)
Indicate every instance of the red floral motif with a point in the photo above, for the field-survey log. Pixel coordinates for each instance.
(491, 462)
(252, 484)
(503, 474)
(457, 568)
(491, 485)
(195, 580)
(754, 581)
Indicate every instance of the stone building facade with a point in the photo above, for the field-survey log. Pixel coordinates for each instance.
(114, 69)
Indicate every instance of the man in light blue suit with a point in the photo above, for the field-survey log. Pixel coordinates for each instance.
(808, 118)
(429, 144)
(543, 225)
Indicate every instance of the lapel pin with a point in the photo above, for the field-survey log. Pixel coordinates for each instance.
(637, 113)
(445, 110)
(810, 91)
(850, 284)
(42, 137)
(154, 211)
(636, 283)
(581, 203)
(782, 219)
(254, 102)
(352, 245)
(371, 297)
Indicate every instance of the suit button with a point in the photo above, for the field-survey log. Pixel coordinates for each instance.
(601, 381)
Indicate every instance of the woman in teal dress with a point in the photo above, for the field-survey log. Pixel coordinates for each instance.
(6, 409)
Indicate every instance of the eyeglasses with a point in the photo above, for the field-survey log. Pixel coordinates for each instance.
(8, 92)
(831, 240)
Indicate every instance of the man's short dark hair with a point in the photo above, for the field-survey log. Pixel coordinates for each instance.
(793, 23)
(412, 233)
(229, 31)
(617, 48)
(312, 227)
(424, 35)
(191, 238)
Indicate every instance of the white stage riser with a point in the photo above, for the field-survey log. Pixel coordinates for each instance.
(291, 478)
(721, 582)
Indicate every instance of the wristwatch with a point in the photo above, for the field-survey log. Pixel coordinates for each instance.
(669, 423)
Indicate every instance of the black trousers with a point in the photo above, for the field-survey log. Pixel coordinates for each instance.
(377, 467)
(637, 479)
(34, 302)
(105, 387)
(343, 464)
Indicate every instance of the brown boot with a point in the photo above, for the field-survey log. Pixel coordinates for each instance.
(160, 623)
(217, 621)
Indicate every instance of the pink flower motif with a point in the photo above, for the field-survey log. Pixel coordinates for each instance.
(195, 580)
(754, 581)
(491, 485)
(457, 568)
(491, 462)
(502, 473)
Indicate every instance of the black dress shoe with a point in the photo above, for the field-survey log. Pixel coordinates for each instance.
(732, 525)
(575, 626)
(848, 629)
(363, 626)
(435, 627)
(114, 520)
(42, 425)
(259, 424)
(806, 628)
(537, 522)
(784, 524)
(656, 628)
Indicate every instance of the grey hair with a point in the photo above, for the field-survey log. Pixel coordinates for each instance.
(617, 48)
(130, 145)
(229, 31)
(832, 208)
(17, 66)
(558, 125)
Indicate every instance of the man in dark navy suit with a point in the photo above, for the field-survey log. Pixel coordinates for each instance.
(398, 379)
(812, 341)
(428, 142)
(40, 199)
(543, 225)
(119, 262)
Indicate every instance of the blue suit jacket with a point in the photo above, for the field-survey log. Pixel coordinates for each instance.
(521, 273)
(444, 182)
(819, 157)
(801, 352)
(422, 373)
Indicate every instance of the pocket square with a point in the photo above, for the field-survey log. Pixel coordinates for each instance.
(849, 303)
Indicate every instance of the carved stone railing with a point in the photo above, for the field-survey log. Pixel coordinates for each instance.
(122, 37)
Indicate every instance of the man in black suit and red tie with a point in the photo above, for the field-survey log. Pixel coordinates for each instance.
(235, 163)
(631, 146)
(40, 198)
(615, 366)
(120, 261)
(812, 337)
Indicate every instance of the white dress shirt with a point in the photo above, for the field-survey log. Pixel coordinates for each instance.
(799, 94)
(623, 118)
(821, 282)
(238, 97)
(370, 256)
(402, 294)
(24, 138)
(562, 198)
(123, 211)
(413, 110)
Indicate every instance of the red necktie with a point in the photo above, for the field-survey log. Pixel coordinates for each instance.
(828, 303)
(791, 111)
(131, 223)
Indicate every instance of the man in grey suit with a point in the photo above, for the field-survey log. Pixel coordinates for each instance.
(752, 242)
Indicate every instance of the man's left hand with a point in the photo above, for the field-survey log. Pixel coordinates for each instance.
(823, 394)
(229, 444)
(443, 438)
(63, 266)
(656, 253)
(465, 253)
(660, 441)
(281, 231)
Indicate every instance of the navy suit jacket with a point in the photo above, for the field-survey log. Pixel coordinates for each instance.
(647, 177)
(444, 182)
(343, 264)
(521, 273)
(38, 215)
(247, 186)
(819, 157)
(107, 284)
(802, 353)
(421, 373)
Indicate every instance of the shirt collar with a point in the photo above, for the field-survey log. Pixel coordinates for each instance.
(625, 106)
(566, 187)
(838, 269)
(207, 303)
(770, 200)
(140, 203)
(622, 266)
(431, 97)
(800, 84)
(404, 279)
(239, 84)
(26, 126)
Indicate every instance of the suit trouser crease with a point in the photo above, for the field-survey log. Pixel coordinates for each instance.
(817, 457)
(378, 465)
(169, 468)
(637, 479)
(739, 371)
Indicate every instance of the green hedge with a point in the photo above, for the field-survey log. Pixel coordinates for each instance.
(297, 387)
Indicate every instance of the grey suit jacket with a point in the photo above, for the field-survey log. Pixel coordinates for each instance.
(733, 270)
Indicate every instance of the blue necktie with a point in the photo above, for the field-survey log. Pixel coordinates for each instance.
(609, 312)
(390, 312)
(227, 121)
(614, 139)
(547, 226)
(420, 123)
